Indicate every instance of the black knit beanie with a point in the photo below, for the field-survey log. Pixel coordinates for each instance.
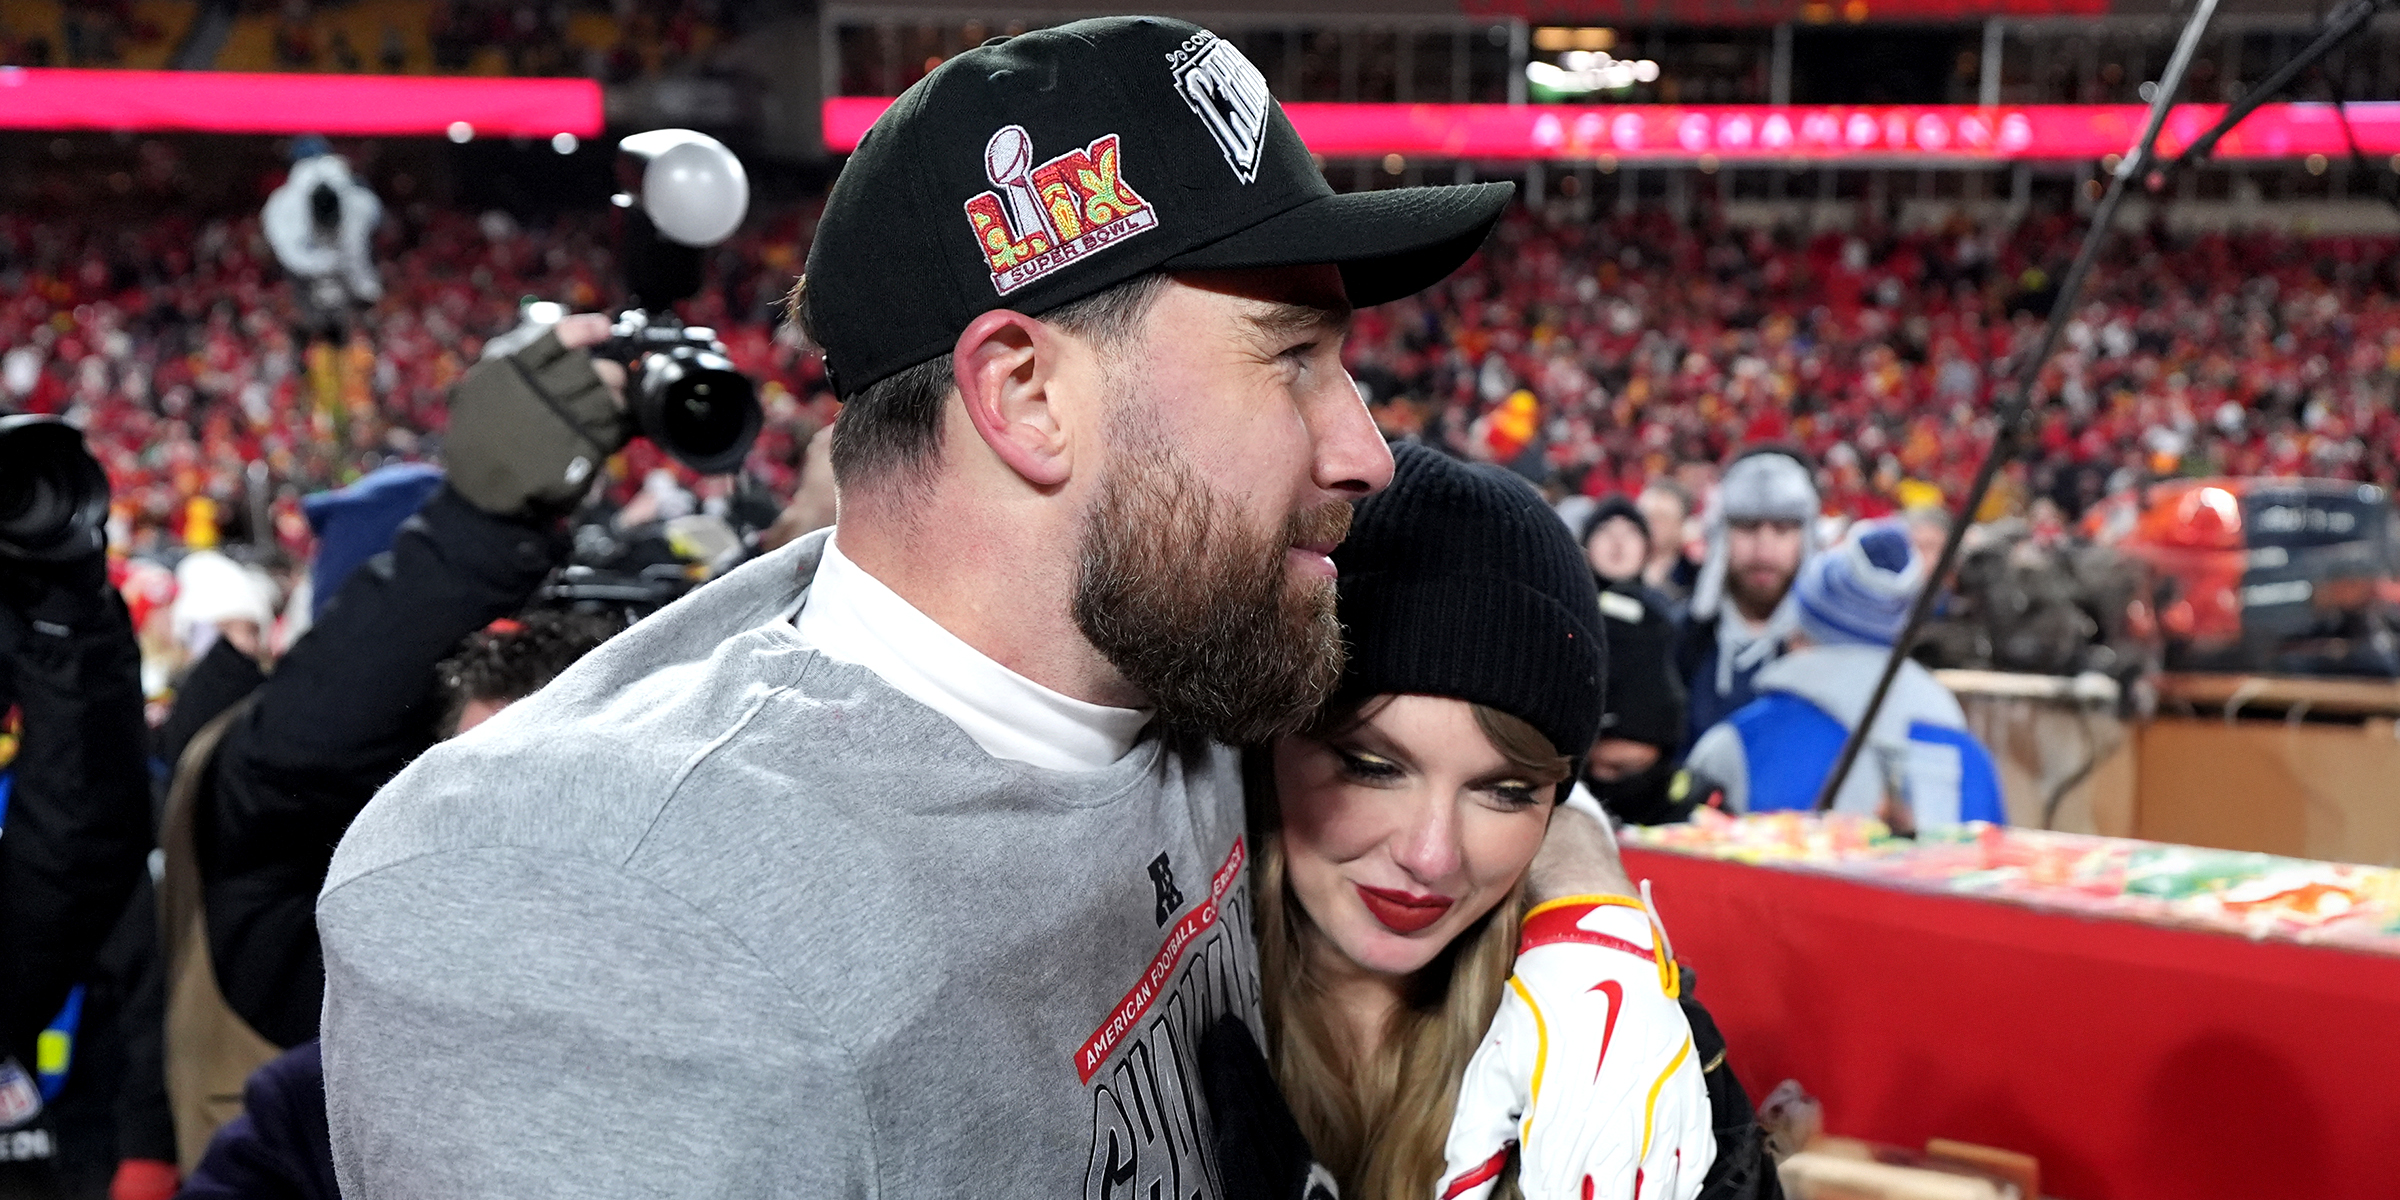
(1459, 581)
(1614, 508)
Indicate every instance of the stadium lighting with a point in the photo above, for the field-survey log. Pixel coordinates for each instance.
(564, 143)
(1581, 72)
(1552, 39)
(461, 132)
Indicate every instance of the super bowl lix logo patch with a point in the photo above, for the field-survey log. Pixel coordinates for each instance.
(1042, 218)
(1228, 95)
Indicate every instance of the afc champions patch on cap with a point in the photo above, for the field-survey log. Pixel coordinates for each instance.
(1228, 95)
(1036, 170)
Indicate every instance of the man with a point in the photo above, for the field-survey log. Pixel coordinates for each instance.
(74, 797)
(278, 1146)
(1760, 530)
(353, 702)
(320, 222)
(908, 859)
(1920, 768)
(1667, 512)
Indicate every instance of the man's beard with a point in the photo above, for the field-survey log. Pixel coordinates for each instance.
(1197, 609)
(1758, 598)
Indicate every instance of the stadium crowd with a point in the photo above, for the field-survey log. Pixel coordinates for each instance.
(180, 350)
(1590, 356)
(1601, 354)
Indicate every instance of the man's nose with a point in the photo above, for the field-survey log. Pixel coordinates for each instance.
(1351, 457)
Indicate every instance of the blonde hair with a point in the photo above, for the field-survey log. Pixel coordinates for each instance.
(1379, 1124)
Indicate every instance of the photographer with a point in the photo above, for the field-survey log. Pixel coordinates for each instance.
(279, 1145)
(321, 225)
(75, 821)
(358, 697)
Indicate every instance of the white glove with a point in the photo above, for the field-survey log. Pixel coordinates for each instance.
(1588, 1069)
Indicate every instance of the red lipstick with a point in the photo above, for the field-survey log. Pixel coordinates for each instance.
(1403, 912)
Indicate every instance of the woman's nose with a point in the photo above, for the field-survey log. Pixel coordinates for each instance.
(1427, 846)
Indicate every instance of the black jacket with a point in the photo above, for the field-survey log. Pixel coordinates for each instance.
(78, 823)
(353, 702)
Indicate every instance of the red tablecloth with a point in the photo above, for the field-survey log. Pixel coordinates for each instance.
(2135, 1061)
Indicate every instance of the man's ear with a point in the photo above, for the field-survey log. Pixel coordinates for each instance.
(1005, 364)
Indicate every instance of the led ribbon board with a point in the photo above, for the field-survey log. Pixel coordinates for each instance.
(1766, 133)
(340, 105)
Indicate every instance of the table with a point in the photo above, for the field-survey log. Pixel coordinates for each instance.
(2135, 1061)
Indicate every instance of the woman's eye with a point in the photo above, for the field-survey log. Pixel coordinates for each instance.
(1367, 768)
(1514, 795)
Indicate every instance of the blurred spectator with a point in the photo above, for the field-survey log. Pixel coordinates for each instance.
(279, 1146)
(1761, 531)
(321, 223)
(1928, 527)
(1920, 768)
(1667, 513)
(1631, 768)
(258, 812)
(74, 819)
(1616, 543)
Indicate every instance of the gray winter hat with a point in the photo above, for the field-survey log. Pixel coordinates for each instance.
(1760, 486)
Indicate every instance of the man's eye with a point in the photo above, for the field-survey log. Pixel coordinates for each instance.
(1367, 768)
(1301, 352)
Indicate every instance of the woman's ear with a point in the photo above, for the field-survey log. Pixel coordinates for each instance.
(1006, 364)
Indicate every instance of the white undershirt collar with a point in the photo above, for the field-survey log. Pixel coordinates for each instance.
(851, 616)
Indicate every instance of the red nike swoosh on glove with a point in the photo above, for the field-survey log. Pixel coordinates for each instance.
(1489, 1171)
(1616, 1004)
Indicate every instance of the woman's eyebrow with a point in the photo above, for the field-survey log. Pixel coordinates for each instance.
(1366, 739)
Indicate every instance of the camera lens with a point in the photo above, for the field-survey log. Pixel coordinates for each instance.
(693, 403)
(53, 494)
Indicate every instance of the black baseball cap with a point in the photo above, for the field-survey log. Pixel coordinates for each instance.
(1036, 170)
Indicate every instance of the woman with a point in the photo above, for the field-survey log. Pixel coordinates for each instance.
(1396, 830)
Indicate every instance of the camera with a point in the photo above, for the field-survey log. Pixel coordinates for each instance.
(53, 494)
(683, 393)
(683, 192)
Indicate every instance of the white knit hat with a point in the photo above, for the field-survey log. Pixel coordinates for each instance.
(1859, 592)
(211, 589)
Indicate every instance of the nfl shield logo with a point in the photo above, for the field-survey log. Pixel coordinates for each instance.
(20, 1098)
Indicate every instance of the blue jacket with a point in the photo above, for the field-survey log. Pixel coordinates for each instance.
(1774, 753)
(1696, 656)
(280, 1147)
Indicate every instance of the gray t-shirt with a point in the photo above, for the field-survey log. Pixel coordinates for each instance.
(714, 915)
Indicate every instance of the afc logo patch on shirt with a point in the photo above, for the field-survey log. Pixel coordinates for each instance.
(1042, 218)
(1162, 877)
(1150, 1132)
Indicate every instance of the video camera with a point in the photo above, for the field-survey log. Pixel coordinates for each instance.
(53, 494)
(684, 192)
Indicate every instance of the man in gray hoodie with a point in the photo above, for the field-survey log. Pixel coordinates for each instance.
(907, 860)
